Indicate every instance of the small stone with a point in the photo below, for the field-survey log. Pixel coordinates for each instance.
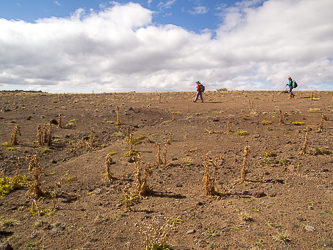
(33, 235)
(324, 170)
(191, 231)
(179, 185)
(119, 205)
(246, 192)
(199, 203)
(310, 207)
(309, 228)
(300, 219)
(54, 162)
(258, 194)
(174, 159)
(97, 190)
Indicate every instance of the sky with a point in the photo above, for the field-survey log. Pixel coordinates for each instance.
(85, 46)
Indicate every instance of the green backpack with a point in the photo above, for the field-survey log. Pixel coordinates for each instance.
(202, 88)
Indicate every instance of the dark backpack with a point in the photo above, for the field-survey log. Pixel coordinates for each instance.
(294, 84)
(202, 88)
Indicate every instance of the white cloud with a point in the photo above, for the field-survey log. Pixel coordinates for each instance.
(199, 10)
(120, 49)
(57, 3)
(166, 5)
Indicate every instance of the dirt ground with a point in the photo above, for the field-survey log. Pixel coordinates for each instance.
(285, 201)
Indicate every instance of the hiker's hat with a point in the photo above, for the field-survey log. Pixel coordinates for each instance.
(289, 77)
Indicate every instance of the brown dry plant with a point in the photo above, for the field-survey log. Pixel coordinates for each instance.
(158, 155)
(15, 133)
(208, 188)
(323, 118)
(39, 135)
(36, 189)
(303, 151)
(118, 119)
(141, 187)
(59, 121)
(49, 135)
(108, 174)
(282, 117)
(245, 163)
(228, 128)
(45, 134)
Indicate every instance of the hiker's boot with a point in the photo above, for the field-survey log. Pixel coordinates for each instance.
(290, 97)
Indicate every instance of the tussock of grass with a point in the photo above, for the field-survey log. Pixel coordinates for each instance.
(268, 154)
(298, 123)
(9, 184)
(264, 122)
(117, 134)
(315, 110)
(241, 132)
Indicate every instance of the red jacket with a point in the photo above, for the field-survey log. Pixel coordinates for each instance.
(198, 87)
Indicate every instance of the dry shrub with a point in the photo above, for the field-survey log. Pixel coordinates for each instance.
(303, 151)
(36, 189)
(158, 155)
(118, 119)
(213, 132)
(282, 117)
(141, 187)
(108, 174)
(228, 128)
(15, 133)
(59, 121)
(155, 234)
(245, 162)
(208, 181)
(323, 118)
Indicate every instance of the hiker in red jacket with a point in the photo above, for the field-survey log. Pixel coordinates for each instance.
(199, 92)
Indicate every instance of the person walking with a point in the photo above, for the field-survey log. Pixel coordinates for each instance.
(290, 85)
(199, 92)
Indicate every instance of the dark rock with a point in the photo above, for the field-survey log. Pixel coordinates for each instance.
(174, 159)
(246, 192)
(324, 170)
(179, 185)
(300, 219)
(131, 159)
(54, 161)
(5, 246)
(199, 203)
(258, 194)
(54, 121)
(29, 118)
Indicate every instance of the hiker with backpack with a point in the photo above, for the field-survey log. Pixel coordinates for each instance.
(200, 90)
(292, 84)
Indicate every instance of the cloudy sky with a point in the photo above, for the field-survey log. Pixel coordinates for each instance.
(165, 45)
